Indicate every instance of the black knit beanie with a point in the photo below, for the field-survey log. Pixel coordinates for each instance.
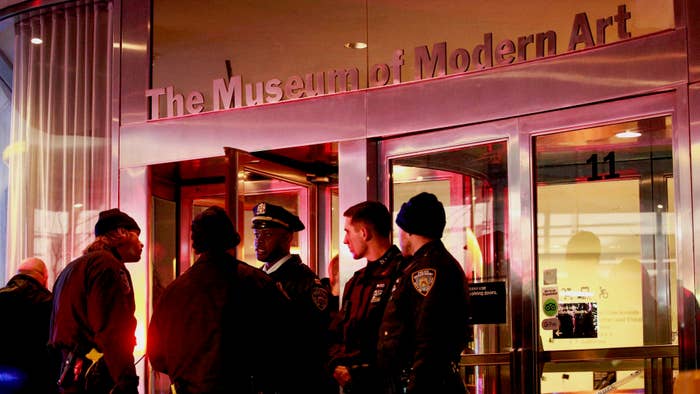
(113, 219)
(213, 231)
(423, 215)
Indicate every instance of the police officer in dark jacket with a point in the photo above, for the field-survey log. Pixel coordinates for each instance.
(93, 309)
(213, 329)
(355, 329)
(26, 306)
(424, 328)
(274, 228)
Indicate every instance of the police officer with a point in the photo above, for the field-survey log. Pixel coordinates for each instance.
(424, 328)
(93, 311)
(355, 329)
(212, 330)
(274, 228)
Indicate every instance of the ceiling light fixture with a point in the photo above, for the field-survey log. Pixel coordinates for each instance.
(36, 40)
(356, 45)
(628, 134)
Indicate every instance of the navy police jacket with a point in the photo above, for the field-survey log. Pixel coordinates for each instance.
(424, 328)
(355, 329)
(309, 317)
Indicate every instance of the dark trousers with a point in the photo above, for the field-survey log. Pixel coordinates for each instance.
(364, 379)
(443, 381)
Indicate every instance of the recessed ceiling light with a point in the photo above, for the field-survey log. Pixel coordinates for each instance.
(36, 40)
(77, 205)
(628, 134)
(356, 45)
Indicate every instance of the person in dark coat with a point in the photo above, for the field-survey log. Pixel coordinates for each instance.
(424, 328)
(24, 358)
(274, 228)
(355, 329)
(212, 330)
(93, 311)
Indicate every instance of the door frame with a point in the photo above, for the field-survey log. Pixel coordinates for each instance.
(462, 137)
(670, 103)
(238, 162)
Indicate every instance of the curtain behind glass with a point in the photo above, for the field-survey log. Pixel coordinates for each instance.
(59, 154)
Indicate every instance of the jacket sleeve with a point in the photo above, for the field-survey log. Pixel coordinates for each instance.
(111, 317)
(337, 352)
(155, 349)
(429, 331)
(271, 310)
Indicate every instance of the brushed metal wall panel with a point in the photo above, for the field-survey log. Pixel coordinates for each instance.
(352, 170)
(134, 199)
(686, 148)
(135, 74)
(693, 28)
(627, 68)
(304, 122)
(694, 275)
(598, 114)
(634, 67)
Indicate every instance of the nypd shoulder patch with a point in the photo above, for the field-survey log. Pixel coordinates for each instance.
(319, 296)
(423, 280)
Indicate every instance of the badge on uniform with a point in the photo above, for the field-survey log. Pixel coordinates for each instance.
(319, 296)
(377, 293)
(260, 209)
(423, 280)
(396, 285)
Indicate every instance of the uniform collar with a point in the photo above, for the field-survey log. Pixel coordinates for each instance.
(274, 267)
(387, 256)
(426, 248)
(379, 266)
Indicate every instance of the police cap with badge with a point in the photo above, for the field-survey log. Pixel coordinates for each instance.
(266, 215)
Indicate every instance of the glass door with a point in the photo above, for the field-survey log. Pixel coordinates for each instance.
(194, 199)
(605, 220)
(611, 231)
(240, 182)
(258, 180)
(470, 178)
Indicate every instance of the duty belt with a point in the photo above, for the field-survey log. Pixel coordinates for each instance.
(78, 369)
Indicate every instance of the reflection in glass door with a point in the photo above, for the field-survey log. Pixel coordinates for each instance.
(258, 188)
(471, 182)
(257, 180)
(605, 250)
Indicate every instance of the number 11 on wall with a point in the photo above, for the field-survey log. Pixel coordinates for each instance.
(593, 161)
